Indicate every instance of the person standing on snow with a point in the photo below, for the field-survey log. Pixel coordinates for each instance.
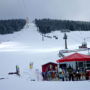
(70, 71)
(17, 70)
(61, 74)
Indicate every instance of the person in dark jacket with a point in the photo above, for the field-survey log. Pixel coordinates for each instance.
(70, 72)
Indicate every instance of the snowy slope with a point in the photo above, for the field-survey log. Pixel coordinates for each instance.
(27, 46)
(30, 38)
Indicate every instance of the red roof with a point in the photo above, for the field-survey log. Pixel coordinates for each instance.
(75, 57)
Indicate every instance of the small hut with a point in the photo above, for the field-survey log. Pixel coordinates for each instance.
(49, 66)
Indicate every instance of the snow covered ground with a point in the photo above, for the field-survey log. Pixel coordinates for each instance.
(27, 46)
(22, 84)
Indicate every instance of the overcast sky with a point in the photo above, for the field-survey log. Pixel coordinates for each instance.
(55, 9)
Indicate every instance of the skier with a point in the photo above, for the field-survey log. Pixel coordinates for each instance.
(31, 65)
(17, 70)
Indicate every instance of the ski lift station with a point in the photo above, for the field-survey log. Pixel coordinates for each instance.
(76, 61)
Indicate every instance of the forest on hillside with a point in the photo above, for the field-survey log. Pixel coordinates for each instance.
(44, 25)
(12, 25)
(49, 25)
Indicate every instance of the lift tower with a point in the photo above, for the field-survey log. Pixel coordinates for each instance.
(65, 37)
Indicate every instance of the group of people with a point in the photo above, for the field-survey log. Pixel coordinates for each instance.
(65, 74)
